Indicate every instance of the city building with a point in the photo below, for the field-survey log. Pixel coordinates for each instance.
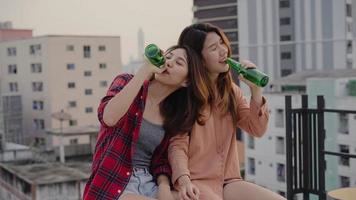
(58, 73)
(135, 63)
(222, 13)
(288, 36)
(43, 181)
(266, 156)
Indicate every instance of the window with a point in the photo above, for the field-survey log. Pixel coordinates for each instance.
(13, 87)
(286, 38)
(11, 51)
(37, 86)
(348, 10)
(344, 181)
(239, 135)
(102, 66)
(251, 142)
(251, 166)
(233, 36)
(284, 4)
(86, 50)
(70, 47)
(72, 104)
(88, 91)
(36, 67)
(87, 73)
(70, 66)
(349, 64)
(284, 21)
(349, 46)
(279, 118)
(286, 72)
(234, 48)
(89, 109)
(215, 12)
(102, 48)
(38, 124)
(349, 27)
(286, 55)
(280, 145)
(343, 123)
(73, 141)
(37, 105)
(12, 69)
(103, 84)
(71, 85)
(73, 122)
(226, 23)
(35, 49)
(342, 160)
(40, 141)
(281, 172)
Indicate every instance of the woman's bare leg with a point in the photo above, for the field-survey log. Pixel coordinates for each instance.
(248, 191)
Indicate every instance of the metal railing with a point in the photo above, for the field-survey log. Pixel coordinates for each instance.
(305, 144)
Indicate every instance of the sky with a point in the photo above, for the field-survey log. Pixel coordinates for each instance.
(161, 20)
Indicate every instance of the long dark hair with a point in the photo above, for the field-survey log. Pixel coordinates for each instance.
(180, 109)
(194, 36)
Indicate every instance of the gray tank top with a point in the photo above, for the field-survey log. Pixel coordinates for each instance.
(150, 137)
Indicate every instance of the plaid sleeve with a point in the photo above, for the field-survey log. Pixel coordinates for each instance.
(159, 162)
(116, 86)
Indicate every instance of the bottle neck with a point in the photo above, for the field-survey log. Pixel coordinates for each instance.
(235, 65)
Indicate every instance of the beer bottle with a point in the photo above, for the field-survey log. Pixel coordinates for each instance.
(154, 55)
(255, 76)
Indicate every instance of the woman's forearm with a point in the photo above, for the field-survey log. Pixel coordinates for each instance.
(164, 188)
(256, 95)
(120, 103)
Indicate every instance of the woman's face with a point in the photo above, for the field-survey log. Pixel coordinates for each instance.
(176, 68)
(214, 54)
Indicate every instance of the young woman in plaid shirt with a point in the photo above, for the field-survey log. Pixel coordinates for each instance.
(138, 116)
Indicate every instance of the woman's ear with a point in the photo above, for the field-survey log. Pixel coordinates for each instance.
(185, 83)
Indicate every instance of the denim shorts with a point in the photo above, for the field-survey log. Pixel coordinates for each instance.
(141, 183)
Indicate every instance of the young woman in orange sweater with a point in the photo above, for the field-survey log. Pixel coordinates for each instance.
(204, 161)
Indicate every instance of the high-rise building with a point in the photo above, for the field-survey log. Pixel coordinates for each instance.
(222, 13)
(140, 43)
(287, 36)
(266, 156)
(291, 36)
(58, 72)
(135, 63)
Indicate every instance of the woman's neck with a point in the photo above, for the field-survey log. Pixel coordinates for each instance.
(214, 77)
(157, 91)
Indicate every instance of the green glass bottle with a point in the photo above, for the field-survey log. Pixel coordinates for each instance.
(255, 76)
(154, 55)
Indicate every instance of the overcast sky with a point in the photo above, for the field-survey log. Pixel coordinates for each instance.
(161, 20)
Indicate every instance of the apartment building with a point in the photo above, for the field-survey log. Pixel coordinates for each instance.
(288, 36)
(57, 73)
(266, 156)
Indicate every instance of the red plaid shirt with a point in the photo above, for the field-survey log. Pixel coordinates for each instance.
(112, 160)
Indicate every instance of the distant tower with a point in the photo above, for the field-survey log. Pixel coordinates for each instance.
(141, 43)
